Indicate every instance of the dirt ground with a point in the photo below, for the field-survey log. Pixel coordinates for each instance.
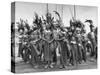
(22, 67)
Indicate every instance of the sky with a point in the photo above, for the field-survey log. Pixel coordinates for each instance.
(26, 10)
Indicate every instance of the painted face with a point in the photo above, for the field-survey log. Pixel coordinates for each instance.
(26, 30)
(47, 34)
(56, 34)
(93, 28)
(34, 35)
(21, 31)
(72, 27)
(44, 27)
(78, 31)
(35, 25)
(73, 38)
(70, 33)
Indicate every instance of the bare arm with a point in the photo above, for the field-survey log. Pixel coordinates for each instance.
(43, 39)
(61, 38)
(51, 40)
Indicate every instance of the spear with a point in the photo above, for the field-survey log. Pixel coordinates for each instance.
(74, 12)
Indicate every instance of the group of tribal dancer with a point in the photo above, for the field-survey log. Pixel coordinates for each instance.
(50, 43)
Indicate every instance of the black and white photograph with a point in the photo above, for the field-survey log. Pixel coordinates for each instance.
(49, 37)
